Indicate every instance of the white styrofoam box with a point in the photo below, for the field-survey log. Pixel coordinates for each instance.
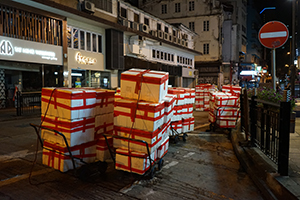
(177, 125)
(68, 103)
(234, 90)
(187, 111)
(190, 97)
(169, 106)
(226, 112)
(102, 151)
(163, 149)
(227, 101)
(177, 113)
(152, 85)
(58, 157)
(153, 139)
(188, 124)
(76, 131)
(145, 115)
(202, 87)
(104, 101)
(136, 162)
(223, 122)
(104, 124)
(180, 93)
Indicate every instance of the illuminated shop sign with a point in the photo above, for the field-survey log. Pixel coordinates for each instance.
(84, 59)
(27, 51)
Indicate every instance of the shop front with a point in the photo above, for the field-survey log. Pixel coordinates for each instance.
(86, 69)
(27, 66)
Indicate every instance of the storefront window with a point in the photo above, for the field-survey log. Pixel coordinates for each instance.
(75, 38)
(89, 78)
(82, 40)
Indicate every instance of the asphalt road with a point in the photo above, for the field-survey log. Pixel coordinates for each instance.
(203, 167)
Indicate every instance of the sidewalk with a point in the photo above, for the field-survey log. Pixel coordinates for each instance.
(256, 164)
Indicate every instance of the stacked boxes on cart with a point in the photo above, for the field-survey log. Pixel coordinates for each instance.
(81, 115)
(224, 109)
(142, 111)
(182, 120)
(202, 96)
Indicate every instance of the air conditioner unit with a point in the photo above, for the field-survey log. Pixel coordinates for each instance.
(160, 34)
(144, 28)
(134, 25)
(89, 6)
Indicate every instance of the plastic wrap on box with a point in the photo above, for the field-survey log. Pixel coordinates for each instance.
(76, 131)
(152, 85)
(68, 103)
(153, 139)
(145, 116)
(58, 157)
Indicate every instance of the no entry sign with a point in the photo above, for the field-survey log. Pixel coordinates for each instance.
(273, 34)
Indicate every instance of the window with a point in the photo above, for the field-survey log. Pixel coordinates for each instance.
(88, 41)
(153, 53)
(206, 25)
(166, 56)
(166, 29)
(158, 26)
(161, 55)
(94, 43)
(169, 57)
(146, 21)
(192, 26)
(75, 38)
(177, 7)
(177, 59)
(136, 18)
(99, 44)
(191, 5)
(244, 29)
(82, 40)
(123, 12)
(164, 9)
(205, 48)
(69, 39)
(157, 54)
(172, 57)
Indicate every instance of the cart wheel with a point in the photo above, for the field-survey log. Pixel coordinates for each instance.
(152, 173)
(160, 164)
(184, 137)
(83, 173)
(102, 167)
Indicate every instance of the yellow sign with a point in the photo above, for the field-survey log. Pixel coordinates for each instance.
(85, 60)
(190, 73)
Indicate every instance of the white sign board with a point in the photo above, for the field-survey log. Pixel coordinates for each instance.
(28, 51)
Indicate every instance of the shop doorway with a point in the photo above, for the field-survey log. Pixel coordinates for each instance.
(90, 78)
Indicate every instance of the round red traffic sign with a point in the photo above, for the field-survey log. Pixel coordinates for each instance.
(273, 34)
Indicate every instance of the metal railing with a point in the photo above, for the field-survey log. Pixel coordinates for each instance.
(269, 129)
(28, 103)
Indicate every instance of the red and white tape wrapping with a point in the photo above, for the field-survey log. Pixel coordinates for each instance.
(180, 95)
(234, 90)
(177, 125)
(104, 124)
(227, 101)
(152, 85)
(76, 131)
(163, 149)
(104, 101)
(187, 111)
(146, 116)
(154, 139)
(58, 157)
(169, 107)
(188, 125)
(177, 113)
(136, 162)
(68, 103)
(102, 151)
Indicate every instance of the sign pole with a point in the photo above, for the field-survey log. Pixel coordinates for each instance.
(274, 69)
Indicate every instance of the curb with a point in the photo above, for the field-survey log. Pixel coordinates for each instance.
(262, 173)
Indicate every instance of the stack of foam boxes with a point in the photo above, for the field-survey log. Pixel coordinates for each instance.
(224, 109)
(143, 111)
(81, 115)
(202, 96)
(182, 120)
